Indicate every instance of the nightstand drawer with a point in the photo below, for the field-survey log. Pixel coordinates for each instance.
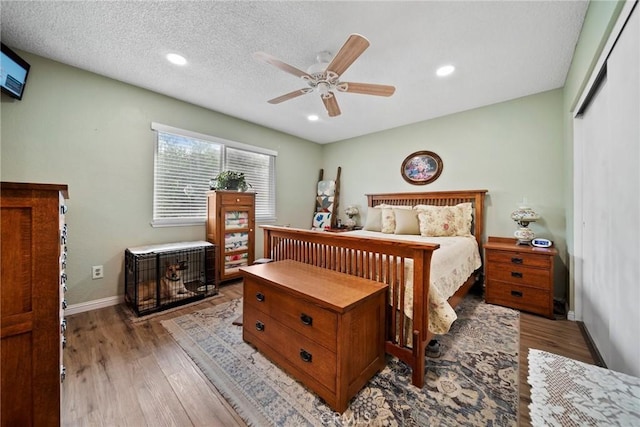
(518, 259)
(520, 297)
(517, 274)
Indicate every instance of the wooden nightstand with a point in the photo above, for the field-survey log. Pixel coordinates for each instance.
(519, 276)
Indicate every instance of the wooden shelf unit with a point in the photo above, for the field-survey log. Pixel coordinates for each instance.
(231, 227)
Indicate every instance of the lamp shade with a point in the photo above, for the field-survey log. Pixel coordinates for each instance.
(524, 214)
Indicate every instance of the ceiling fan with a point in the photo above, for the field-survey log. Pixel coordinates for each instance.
(324, 77)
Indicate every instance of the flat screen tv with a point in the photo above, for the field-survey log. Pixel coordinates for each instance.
(14, 71)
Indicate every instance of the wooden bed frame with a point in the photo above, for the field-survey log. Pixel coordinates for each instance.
(383, 261)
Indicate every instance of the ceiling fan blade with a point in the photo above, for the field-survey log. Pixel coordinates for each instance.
(366, 88)
(290, 95)
(265, 57)
(349, 52)
(331, 104)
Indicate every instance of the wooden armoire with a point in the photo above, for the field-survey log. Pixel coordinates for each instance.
(231, 227)
(33, 252)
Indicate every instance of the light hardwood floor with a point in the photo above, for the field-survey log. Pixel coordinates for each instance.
(121, 373)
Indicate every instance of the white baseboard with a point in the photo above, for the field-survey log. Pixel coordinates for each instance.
(571, 315)
(93, 305)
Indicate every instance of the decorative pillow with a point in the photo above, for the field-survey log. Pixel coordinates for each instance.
(374, 219)
(389, 219)
(406, 221)
(444, 221)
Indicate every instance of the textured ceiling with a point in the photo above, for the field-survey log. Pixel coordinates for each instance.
(501, 49)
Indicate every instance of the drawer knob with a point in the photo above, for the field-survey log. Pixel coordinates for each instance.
(305, 356)
(260, 296)
(259, 326)
(516, 294)
(516, 260)
(237, 200)
(306, 319)
(516, 274)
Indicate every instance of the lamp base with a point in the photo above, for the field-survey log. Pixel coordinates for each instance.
(524, 235)
(350, 223)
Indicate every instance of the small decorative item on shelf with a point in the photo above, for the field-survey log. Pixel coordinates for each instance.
(229, 180)
(523, 216)
(351, 211)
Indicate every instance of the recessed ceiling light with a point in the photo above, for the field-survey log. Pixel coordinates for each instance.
(312, 118)
(174, 58)
(445, 70)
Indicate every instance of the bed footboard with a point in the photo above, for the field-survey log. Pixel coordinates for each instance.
(374, 259)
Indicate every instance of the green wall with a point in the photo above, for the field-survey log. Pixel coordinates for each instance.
(94, 134)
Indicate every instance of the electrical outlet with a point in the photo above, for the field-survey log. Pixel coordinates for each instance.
(97, 272)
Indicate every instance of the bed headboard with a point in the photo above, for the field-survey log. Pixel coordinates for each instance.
(438, 198)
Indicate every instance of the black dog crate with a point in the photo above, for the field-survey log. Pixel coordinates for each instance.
(163, 276)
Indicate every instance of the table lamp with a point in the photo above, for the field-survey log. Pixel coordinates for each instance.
(523, 216)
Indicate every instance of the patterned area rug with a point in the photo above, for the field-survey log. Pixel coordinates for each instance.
(568, 392)
(473, 383)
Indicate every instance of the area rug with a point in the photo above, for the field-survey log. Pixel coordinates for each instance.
(474, 382)
(568, 392)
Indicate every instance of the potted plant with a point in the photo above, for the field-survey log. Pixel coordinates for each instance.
(229, 180)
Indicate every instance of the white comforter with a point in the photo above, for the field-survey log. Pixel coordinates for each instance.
(451, 265)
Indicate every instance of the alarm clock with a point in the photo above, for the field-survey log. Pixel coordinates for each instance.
(541, 243)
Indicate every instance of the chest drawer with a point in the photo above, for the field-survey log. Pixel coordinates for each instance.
(291, 347)
(311, 320)
(518, 259)
(535, 277)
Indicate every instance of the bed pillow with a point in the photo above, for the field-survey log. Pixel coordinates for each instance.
(445, 221)
(389, 219)
(406, 221)
(374, 219)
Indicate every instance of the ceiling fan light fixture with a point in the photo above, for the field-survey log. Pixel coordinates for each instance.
(445, 70)
(324, 89)
(176, 59)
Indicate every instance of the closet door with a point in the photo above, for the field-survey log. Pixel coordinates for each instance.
(623, 69)
(597, 184)
(607, 210)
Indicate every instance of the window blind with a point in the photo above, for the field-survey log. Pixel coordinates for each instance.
(184, 164)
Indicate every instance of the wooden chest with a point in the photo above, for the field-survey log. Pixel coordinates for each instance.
(519, 276)
(324, 328)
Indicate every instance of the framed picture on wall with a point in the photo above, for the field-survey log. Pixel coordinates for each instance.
(421, 167)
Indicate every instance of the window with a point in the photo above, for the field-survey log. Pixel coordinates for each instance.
(184, 163)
